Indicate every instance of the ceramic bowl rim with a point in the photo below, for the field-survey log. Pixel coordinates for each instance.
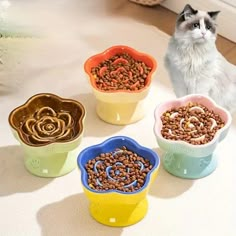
(183, 143)
(125, 48)
(102, 144)
(58, 98)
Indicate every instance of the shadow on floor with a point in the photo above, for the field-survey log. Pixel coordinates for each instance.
(167, 185)
(94, 126)
(71, 217)
(14, 178)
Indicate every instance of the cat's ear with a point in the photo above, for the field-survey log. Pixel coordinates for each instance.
(213, 14)
(187, 12)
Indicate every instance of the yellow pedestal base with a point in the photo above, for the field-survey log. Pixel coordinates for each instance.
(119, 215)
(121, 113)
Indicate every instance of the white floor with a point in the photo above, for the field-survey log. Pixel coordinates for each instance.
(73, 31)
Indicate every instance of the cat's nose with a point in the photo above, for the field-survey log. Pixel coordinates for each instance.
(203, 33)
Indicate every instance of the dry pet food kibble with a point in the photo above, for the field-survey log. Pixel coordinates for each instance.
(121, 170)
(121, 72)
(193, 123)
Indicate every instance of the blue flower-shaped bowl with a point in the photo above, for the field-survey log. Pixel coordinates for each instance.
(114, 207)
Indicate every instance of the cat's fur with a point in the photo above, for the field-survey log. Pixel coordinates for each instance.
(194, 63)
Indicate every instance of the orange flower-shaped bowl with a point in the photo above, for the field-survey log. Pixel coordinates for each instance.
(50, 129)
(121, 106)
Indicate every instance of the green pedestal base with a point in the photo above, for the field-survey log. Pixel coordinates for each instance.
(51, 164)
(188, 167)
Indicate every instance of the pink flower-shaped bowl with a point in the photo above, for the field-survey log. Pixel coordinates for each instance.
(181, 158)
(120, 106)
(50, 129)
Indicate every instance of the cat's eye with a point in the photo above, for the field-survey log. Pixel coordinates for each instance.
(208, 27)
(196, 25)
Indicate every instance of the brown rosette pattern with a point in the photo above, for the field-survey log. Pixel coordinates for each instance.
(47, 125)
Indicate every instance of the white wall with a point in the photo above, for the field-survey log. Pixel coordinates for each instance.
(226, 19)
(230, 2)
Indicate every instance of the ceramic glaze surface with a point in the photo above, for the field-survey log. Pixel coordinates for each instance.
(49, 129)
(110, 202)
(120, 106)
(47, 118)
(184, 159)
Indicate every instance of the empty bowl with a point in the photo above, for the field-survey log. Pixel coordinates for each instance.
(49, 129)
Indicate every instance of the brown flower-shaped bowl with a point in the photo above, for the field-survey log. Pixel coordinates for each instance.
(50, 129)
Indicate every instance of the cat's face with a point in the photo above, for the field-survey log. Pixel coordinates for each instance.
(196, 26)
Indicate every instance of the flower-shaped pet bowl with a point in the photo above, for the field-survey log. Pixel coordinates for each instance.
(114, 207)
(121, 106)
(50, 129)
(184, 159)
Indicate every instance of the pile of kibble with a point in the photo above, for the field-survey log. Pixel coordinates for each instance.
(193, 123)
(121, 72)
(120, 169)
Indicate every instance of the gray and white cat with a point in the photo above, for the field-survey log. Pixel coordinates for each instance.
(194, 63)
